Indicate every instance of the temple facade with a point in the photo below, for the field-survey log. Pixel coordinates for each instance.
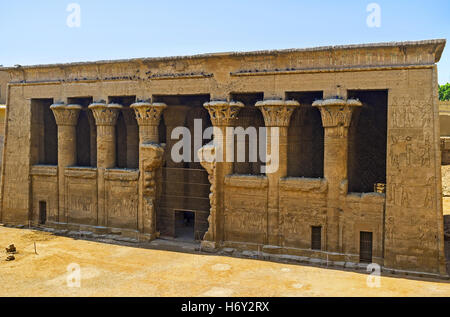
(88, 147)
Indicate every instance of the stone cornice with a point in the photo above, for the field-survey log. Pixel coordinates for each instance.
(438, 44)
(277, 113)
(395, 54)
(66, 115)
(223, 113)
(148, 113)
(105, 114)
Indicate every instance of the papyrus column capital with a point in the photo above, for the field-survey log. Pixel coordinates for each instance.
(277, 113)
(105, 114)
(223, 113)
(336, 115)
(147, 113)
(66, 115)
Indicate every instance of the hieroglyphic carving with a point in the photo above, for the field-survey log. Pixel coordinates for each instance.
(412, 194)
(409, 151)
(410, 113)
(277, 113)
(244, 220)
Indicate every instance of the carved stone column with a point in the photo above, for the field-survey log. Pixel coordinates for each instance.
(151, 157)
(277, 116)
(174, 116)
(106, 119)
(336, 118)
(148, 116)
(66, 117)
(213, 158)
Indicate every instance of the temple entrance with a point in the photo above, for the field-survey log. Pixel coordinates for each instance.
(42, 212)
(184, 205)
(365, 247)
(185, 225)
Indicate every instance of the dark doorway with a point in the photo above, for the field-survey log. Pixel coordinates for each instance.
(42, 212)
(185, 225)
(316, 238)
(365, 247)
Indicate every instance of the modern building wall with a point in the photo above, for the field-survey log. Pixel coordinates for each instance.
(274, 212)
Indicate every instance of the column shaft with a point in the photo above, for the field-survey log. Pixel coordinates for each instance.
(106, 146)
(336, 117)
(105, 120)
(223, 114)
(66, 118)
(277, 115)
(151, 154)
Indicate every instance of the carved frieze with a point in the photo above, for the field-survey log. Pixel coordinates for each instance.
(410, 113)
(410, 151)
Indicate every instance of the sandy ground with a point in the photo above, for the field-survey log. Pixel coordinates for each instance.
(113, 270)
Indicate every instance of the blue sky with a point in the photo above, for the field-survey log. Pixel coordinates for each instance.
(35, 32)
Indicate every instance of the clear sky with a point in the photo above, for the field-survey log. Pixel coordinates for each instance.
(36, 32)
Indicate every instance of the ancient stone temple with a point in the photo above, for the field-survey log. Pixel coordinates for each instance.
(89, 147)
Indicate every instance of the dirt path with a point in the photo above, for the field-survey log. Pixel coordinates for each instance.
(112, 270)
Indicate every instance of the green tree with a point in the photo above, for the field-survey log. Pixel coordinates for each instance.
(444, 92)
